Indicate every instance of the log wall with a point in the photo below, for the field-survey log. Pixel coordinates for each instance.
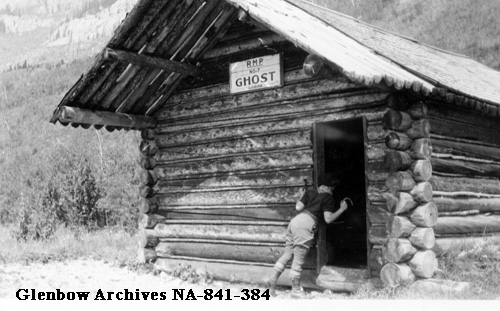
(222, 171)
(406, 253)
(466, 171)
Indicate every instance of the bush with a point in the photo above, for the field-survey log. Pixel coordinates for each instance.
(36, 218)
(76, 199)
(70, 197)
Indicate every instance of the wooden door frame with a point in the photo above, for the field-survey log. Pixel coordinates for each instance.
(318, 141)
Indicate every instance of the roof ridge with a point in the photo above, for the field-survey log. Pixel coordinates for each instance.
(384, 30)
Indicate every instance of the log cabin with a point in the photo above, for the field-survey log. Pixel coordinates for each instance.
(241, 103)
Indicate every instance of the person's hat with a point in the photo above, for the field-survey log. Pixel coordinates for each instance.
(330, 180)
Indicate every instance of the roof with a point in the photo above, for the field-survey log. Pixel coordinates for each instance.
(159, 43)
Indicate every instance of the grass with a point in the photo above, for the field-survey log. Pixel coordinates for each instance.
(112, 245)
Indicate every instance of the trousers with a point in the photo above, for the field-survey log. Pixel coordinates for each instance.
(299, 238)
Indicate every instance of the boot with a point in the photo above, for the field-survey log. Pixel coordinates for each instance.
(296, 289)
(271, 282)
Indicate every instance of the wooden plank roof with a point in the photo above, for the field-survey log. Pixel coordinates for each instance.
(124, 80)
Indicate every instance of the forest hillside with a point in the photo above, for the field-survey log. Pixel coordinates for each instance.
(52, 174)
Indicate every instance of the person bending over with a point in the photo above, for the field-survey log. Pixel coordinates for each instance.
(313, 205)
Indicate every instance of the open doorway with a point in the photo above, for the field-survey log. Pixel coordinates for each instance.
(340, 150)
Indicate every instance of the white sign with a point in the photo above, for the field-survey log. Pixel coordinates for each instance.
(256, 74)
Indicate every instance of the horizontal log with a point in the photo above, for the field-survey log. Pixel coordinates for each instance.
(345, 107)
(462, 204)
(372, 111)
(237, 252)
(218, 98)
(259, 143)
(151, 62)
(105, 118)
(469, 225)
(462, 213)
(232, 43)
(282, 212)
(202, 134)
(463, 147)
(311, 94)
(465, 168)
(250, 273)
(265, 177)
(246, 196)
(246, 162)
(457, 184)
(446, 127)
(452, 113)
(243, 232)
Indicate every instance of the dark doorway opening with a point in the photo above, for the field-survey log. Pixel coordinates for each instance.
(344, 156)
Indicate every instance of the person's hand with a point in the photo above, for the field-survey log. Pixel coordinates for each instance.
(343, 206)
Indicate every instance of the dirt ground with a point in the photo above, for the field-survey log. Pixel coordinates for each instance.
(90, 275)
